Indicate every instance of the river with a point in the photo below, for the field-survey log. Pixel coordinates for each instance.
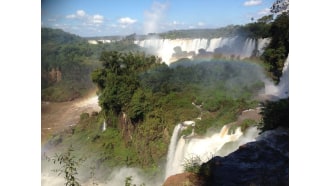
(57, 116)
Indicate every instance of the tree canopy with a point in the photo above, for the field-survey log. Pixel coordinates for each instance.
(118, 79)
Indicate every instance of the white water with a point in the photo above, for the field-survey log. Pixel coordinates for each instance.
(282, 89)
(172, 147)
(262, 43)
(104, 126)
(164, 48)
(204, 148)
(283, 86)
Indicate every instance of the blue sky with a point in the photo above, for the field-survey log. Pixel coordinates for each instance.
(124, 17)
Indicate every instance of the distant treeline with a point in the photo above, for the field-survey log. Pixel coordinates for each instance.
(67, 61)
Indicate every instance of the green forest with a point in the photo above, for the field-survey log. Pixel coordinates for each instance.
(67, 61)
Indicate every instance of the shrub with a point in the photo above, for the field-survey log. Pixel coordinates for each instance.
(275, 114)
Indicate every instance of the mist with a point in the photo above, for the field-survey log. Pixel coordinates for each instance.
(274, 92)
(154, 17)
(115, 176)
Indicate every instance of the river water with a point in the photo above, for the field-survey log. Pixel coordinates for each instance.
(57, 116)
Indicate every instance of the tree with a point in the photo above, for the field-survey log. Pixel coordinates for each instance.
(275, 114)
(68, 166)
(280, 6)
(137, 106)
(266, 19)
(278, 49)
(119, 79)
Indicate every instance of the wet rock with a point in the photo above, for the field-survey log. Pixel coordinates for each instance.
(263, 162)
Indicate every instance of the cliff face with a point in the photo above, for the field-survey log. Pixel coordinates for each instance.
(264, 162)
(126, 127)
(55, 75)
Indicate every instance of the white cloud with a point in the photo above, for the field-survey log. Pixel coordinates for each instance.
(126, 20)
(71, 16)
(97, 19)
(78, 14)
(264, 11)
(252, 2)
(177, 23)
(86, 19)
(81, 13)
(200, 24)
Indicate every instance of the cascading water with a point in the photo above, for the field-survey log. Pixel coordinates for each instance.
(203, 148)
(248, 47)
(283, 86)
(282, 89)
(165, 47)
(262, 43)
(104, 126)
(171, 150)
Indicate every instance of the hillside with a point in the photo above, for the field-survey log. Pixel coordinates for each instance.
(67, 61)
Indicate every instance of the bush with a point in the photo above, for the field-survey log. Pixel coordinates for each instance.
(68, 166)
(84, 116)
(193, 164)
(275, 114)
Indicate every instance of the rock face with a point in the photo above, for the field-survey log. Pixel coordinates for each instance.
(126, 127)
(263, 162)
(184, 179)
(55, 75)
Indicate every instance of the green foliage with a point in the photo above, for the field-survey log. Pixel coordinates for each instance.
(157, 98)
(57, 36)
(192, 164)
(257, 30)
(247, 123)
(278, 49)
(68, 166)
(228, 31)
(84, 116)
(75, 59)
(118, 80)
(266, 19)
(129, 180)
(137, 106)
(275, 114)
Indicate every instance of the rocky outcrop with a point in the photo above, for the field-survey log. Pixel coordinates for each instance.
(184, 179)
(264, 162)
(55, 75)
(126, 127)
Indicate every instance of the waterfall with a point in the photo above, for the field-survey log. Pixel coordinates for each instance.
(282, 89)
(104, 126)
(249, 46)
(262, 43)
(171, 149)
(283, 86)
(204, 148)
(164, 48)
